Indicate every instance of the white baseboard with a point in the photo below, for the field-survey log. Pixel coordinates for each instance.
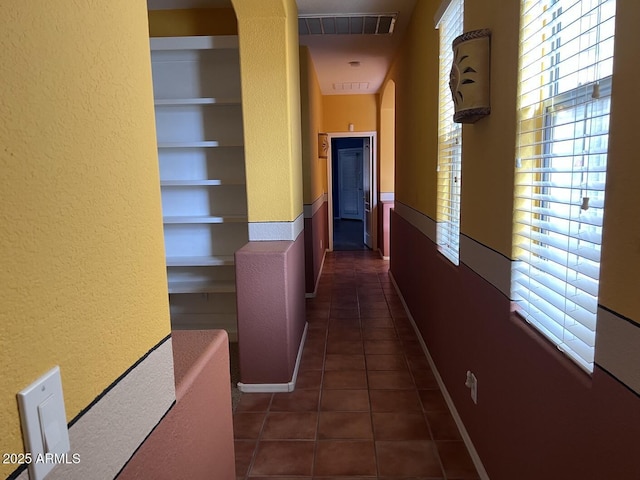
(278, 387)
(452, 408)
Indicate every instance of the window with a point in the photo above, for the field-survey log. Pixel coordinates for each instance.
(449, 140)
(566, 63)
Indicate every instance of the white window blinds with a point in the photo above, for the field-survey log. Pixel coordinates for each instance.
(449, 140)
(566, 60)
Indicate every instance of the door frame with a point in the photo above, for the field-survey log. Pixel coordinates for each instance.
(373, 142)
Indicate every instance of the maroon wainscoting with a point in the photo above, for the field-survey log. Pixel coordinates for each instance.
(316, 239)
(538, 416)
(195, 439)
(271, 309)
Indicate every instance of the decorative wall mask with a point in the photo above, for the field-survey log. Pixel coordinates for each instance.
(323, 145)
(469, 78)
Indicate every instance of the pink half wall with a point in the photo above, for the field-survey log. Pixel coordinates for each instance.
(270, 289)
(195, 439)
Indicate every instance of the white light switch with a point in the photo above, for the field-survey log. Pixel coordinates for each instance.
(44, 422)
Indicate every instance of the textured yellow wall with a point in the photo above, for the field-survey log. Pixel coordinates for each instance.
(417, 111)
(387, 137)
(196, 21)
(81, 246)
(270, 66)
(488, 146)
(314, 167)
(619, 277)
(341, 110)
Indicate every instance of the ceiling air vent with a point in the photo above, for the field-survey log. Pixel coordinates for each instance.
(351, 86)
(379, 24)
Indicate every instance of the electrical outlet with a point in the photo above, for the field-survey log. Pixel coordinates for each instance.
(472, 383)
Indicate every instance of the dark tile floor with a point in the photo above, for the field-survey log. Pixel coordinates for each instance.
(366, 404)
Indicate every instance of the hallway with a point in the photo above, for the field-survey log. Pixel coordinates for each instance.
(366, 403)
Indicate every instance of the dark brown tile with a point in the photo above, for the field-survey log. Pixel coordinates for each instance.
(311, 362)
(418, 362)
(400, 426)
(336, 457)
(283, 458)
(401, 459)
(394, 401)
(344, 333)
(345, 400)
(386, 362)
(345, 379)
(337, 361)
(382, 347)
(344, 312)
(412, 347)
(244, 450)
(379, 334)
(290, 426)
(425, 379)
(343, 322)
(315, 347)
(248, 425)
(254, 402)
(456, 461)
(309, 379)
(442, 426)
(433, 401)
(368, 312)
(375, 322)
(392, 380)
(296, 401)
(345, 347)
(345, 425)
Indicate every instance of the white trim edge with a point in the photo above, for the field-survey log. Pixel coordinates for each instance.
(617, 348)
(387, 196)
(492, 266)
(278, 387)
(274, 231)
(111, 430)
(422, 222)
(311, 209)
(473, 453)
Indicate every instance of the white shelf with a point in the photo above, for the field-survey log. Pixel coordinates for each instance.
(196, 183)
(195, 43)
(202, 287)
(196, 101)
(215, 261)
(207, 219)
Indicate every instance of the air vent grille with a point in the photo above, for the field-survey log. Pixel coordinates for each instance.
(381, 24)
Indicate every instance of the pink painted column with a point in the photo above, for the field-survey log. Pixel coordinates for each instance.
(270, 288)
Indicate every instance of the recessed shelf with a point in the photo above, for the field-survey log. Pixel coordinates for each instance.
(213, 261)
(206, 219)
(197, 101)
(202, 287)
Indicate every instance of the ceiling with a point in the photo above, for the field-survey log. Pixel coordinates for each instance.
(332, 54)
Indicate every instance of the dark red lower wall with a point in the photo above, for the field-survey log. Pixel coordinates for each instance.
(538, 416)
(316, 239)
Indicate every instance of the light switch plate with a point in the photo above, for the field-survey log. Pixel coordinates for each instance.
(44, 423)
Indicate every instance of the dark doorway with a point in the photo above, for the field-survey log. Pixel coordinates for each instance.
(348, 206)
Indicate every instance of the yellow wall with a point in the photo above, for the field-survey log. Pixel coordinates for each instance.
(488, 158)
(341, 110)
(387, 137)
(270, 66)
(619, 278)
(314, 168)
(416, 75)
(197, 21)
(488, 146)
(81, 245)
